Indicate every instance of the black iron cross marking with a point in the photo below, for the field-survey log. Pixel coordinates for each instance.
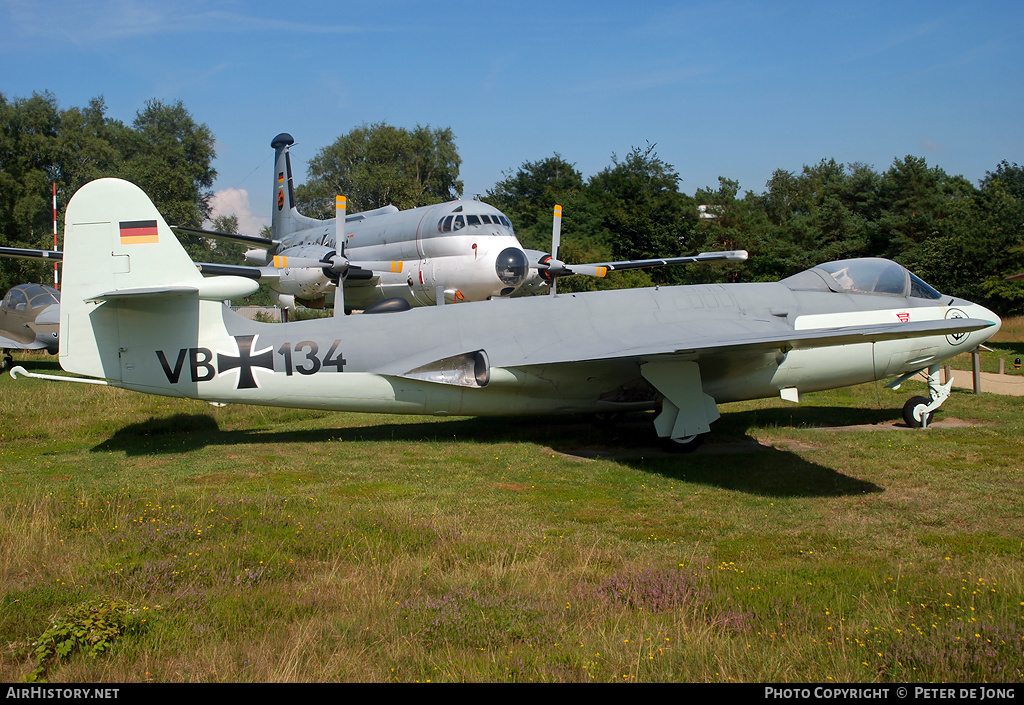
(245, 361)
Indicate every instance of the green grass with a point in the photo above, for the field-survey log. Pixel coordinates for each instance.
(802, 543)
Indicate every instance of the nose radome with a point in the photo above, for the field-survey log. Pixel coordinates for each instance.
(511, 266)
(988, 315)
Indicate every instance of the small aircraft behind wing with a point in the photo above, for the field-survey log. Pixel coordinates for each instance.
(137, 314)
(464, 250)
(29, 319)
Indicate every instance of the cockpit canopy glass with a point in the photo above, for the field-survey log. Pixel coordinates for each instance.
(451, 223)
(28, 296)
(871, 275)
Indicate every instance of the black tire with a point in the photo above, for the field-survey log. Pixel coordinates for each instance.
(684, 445)
(908, 412)
(607, 419)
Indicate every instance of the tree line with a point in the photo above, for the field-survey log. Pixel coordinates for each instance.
(164, 150)
(962, 238)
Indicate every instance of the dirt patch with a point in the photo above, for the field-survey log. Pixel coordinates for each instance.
(789, 444)
(900, 426)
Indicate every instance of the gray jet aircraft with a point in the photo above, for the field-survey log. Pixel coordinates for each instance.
(137, 314)
(29, 320)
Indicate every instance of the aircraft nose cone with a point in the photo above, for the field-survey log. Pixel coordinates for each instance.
(511, 266)
(987, 315)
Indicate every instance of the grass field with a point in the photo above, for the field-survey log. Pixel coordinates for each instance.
(151, 539)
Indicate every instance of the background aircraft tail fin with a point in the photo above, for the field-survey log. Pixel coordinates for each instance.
(285, 217)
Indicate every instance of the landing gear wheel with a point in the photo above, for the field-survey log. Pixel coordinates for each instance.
(686, 444)
(7, 363)
(913, 404)
(608, 419)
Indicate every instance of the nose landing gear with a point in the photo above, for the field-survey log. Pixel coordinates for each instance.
(917, 412)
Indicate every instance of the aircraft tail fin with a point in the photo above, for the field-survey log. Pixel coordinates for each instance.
(120, 255)
(285, 218)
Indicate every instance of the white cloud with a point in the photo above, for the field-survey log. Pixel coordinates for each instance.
(235, 201)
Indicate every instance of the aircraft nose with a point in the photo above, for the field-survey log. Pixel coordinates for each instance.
(987, 315)
(511, 266)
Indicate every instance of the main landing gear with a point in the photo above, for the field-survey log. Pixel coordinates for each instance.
(686, 411)
(917, 412)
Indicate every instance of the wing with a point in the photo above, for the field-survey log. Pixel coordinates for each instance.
(591, 343)
(595, 269)
(250, 240)
(26, 342)
(21, 253)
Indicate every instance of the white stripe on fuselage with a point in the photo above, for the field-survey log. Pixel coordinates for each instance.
(863, 318)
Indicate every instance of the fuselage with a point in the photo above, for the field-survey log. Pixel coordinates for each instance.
(568, 353)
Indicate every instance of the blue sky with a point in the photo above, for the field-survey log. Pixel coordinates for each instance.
(732, 88)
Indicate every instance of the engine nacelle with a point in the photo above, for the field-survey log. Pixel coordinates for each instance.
(304, 282)
(257, 255)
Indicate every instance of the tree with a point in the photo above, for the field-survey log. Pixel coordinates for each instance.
(28, 147)
(377, 165)
(165, 152)
(170, 157)
(641, 206)
(1011, 176)
(528, 197)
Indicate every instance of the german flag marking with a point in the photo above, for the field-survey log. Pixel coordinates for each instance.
(135, 232)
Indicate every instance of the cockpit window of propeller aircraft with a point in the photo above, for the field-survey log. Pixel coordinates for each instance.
(28, 296)
(451, 223)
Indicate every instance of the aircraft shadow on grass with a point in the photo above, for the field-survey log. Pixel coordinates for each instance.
(729, 459)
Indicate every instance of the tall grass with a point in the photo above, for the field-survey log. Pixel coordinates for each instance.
(811, 543)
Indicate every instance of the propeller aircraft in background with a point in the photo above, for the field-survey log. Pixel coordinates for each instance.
(463, 250)
(29, 320)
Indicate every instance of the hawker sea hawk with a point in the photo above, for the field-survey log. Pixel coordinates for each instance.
(135, 313)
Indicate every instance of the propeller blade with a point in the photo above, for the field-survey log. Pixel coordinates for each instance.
(591, 270)
(556, 237)
(340, 206)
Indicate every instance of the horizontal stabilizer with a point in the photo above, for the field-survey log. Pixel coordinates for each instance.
(219, 288)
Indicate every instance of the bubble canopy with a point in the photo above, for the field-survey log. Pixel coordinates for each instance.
(870, 275)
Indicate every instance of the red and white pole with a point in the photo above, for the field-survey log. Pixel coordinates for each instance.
(56, 277)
